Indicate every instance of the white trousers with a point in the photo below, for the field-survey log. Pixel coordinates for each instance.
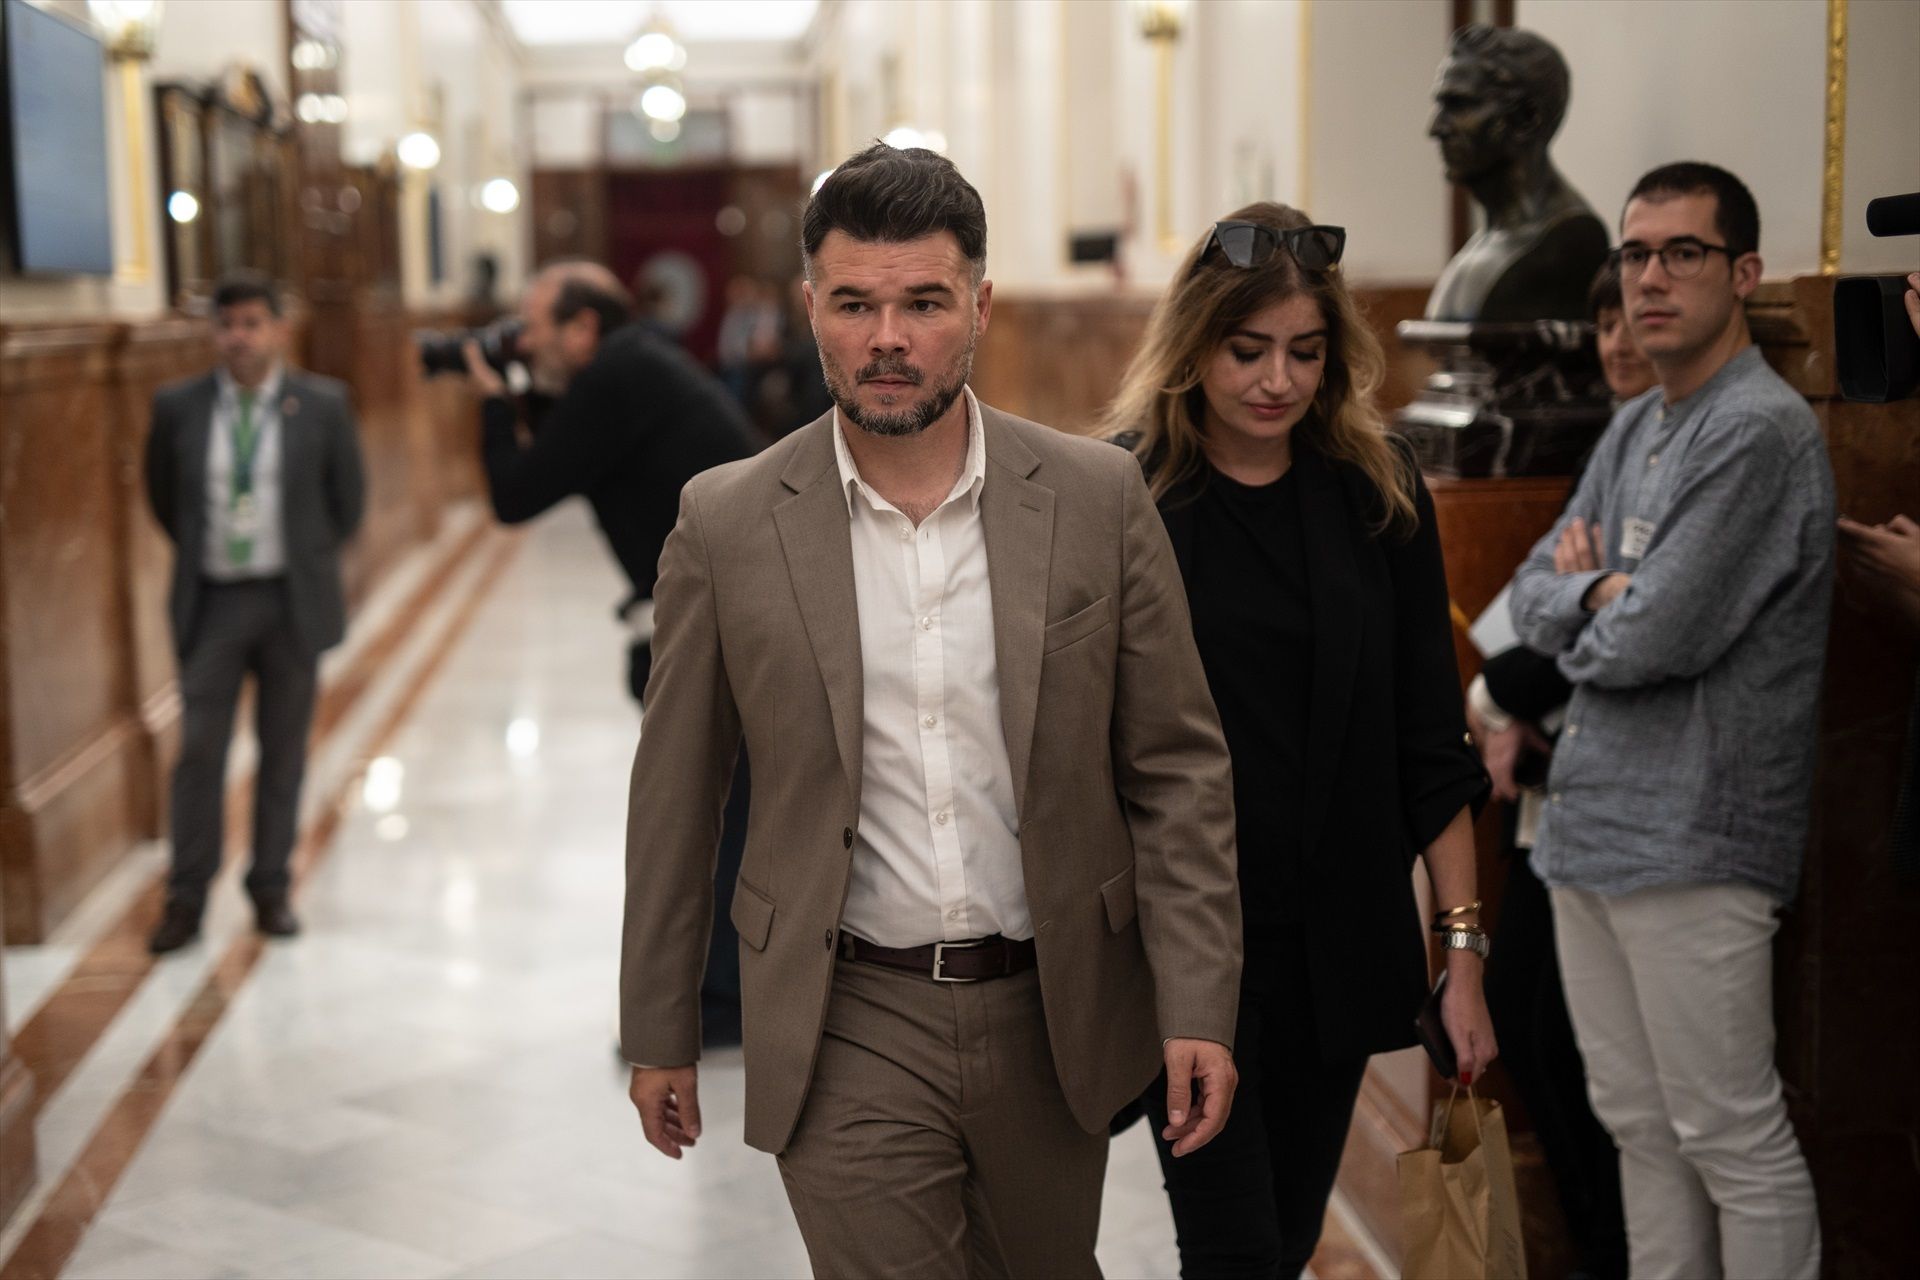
(1671, 992)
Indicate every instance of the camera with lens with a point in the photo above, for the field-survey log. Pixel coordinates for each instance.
(440, 352)
(1876, 348)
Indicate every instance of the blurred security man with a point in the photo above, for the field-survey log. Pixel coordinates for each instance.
(254, 472)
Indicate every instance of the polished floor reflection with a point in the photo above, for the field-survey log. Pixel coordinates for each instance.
(425, 1083)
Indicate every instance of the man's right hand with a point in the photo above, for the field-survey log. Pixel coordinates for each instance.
(668, 1101)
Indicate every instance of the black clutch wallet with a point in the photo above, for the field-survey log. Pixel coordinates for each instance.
(1433, 1033)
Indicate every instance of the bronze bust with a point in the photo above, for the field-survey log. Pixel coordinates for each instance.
(1500, 97)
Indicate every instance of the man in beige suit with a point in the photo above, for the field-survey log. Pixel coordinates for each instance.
(989, 887)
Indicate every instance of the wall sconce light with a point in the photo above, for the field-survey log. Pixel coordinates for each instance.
(499, 195)
(131, 26)
(1161, 22)
(418, 150)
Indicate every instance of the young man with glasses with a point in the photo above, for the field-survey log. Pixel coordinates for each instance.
(1686, 592)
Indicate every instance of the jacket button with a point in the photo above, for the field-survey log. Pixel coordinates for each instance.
(829, 939)
(846, 838)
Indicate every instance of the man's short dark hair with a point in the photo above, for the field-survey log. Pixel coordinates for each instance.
(1604, 293)
(246, 286)
(1520, 66)
(889, 195)
(582, 292)
(1735, 216)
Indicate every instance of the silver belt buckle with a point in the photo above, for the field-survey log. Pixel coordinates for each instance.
(940, 959)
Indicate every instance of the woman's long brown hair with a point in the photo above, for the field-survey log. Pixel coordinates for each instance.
(1160, 397)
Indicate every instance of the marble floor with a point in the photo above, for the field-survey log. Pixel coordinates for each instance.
(424, 1084)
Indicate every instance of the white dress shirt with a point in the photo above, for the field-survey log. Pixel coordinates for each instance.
(267, 552)
(937, 854)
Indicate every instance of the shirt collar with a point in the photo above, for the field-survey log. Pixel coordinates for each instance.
(973, 473)
(269, 387)
(1738, 365)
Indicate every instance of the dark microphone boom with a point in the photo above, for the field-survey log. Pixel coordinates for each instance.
(1894, 215)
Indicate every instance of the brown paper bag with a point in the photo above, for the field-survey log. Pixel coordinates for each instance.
(1459, 1212)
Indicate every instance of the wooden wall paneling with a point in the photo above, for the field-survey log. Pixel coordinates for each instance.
(19, 1159)
(449, 416)
(401, 505)
(74, 764)
(150, 356)
(1849, 1025)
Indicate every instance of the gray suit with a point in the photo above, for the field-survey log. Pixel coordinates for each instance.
(274, 627)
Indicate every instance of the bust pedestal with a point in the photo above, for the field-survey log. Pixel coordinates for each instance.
(1509, 398)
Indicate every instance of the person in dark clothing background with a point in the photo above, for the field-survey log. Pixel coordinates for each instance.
(632, 419)
(1312, 567)
(1514, 709)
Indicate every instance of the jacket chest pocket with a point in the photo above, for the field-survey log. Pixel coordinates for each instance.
(1077, 626)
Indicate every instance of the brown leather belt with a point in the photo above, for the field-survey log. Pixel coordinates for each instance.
(994, 957)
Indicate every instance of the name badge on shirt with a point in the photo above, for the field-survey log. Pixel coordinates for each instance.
(1635, 536)
(244, 518)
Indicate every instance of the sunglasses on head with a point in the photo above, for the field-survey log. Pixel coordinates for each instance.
(1250, 244)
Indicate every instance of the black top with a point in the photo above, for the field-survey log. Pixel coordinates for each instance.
(1253, 622)
(1385, 763)
(632, 428)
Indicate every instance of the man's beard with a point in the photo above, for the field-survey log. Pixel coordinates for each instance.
(913, 419)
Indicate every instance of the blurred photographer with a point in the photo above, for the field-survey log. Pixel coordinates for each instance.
(632, 420)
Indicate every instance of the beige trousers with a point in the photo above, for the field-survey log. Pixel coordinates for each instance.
(935, 1141)
(1671, 992)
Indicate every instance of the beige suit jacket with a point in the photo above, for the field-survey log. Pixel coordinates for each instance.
(1121, 778)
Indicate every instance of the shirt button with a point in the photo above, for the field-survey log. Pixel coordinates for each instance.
(846, 838)
(1653, 459)
(930, 721)
(1556, 797)
(1573, 731)
(941, 817)
(954, 914)
(906, 533)
(926, 624)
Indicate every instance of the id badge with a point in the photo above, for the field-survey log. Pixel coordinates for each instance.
(244, 518)
(1636, 535)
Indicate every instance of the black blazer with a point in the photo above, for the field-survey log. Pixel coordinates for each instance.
(1388, 757)
(322, 485)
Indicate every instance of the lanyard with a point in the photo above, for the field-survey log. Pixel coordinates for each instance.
(246, 447)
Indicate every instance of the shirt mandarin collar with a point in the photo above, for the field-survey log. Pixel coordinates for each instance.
(973, 473)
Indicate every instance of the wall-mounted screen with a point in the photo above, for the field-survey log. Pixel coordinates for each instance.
(56, 140)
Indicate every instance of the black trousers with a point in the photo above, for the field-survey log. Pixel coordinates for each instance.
(1252, 1201)
(241, 628)
(1529, 1009)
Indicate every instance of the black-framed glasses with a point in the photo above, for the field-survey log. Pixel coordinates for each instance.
(1249, 244)
(1681, 257)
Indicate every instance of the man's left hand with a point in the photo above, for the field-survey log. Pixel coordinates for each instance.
(1578, 550)
(1201, 1079)
(486, 380)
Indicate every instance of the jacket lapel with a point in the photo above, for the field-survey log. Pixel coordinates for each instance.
(196, 436)
(1334, 586)
(1017, 518)
(815, 538)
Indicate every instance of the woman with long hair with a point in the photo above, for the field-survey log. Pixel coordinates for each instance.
(1319, 603)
